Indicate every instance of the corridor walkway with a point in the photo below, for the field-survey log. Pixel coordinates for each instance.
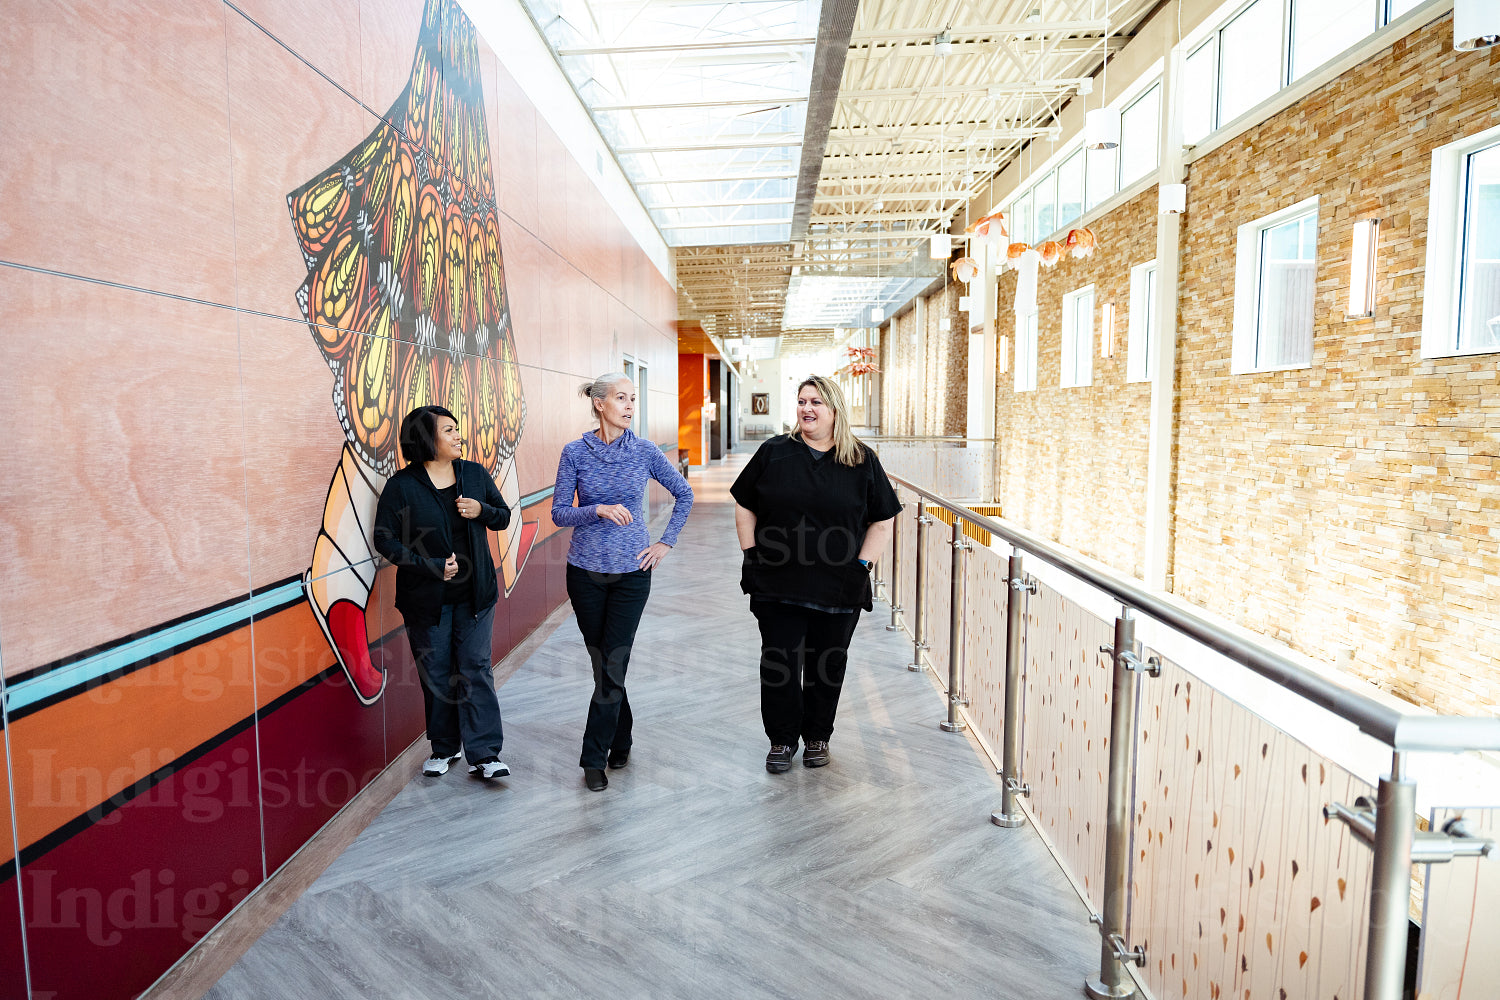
(695, 874)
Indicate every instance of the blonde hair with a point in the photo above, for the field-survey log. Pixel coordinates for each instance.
(599, 389)
(847, 449)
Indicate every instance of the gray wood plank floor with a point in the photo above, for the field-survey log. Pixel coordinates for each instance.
(695, 873)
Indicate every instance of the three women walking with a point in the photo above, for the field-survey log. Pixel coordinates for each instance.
(813, 510)
(611, 555)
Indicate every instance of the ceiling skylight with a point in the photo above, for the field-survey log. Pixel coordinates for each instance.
(703, 104)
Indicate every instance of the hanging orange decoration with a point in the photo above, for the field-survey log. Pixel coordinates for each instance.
(965, 269)
(991, 225)
(1051, 252)
(1081, 242)
(1015, 250)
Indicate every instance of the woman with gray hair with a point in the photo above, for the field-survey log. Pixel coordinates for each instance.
(611, 556)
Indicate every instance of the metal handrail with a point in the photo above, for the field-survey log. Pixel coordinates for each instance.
(1389, 725)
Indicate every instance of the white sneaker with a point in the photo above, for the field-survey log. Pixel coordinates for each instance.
(436, 766)
(487, 769)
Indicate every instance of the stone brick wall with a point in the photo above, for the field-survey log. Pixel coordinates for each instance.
(1351, 508)
(1073, 461)
(942, 395)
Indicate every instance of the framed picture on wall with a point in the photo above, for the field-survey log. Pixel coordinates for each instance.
(760, 403)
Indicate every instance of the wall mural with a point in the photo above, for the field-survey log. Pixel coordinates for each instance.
(405, 297)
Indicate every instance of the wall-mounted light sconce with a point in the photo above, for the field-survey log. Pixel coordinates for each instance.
(966, 303)
(944, 324)
(1002, 352)
(941, 246)
(877, 314)
(1172, 199)
(1101, 128)
(1107, 330)
(1362, 269)
(1476, 24)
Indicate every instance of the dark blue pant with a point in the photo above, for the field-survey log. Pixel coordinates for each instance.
(608, 607)
(458, 682)
(803, 656)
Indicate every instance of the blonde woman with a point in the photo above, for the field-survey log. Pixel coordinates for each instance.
(611, 555)
(813, 508)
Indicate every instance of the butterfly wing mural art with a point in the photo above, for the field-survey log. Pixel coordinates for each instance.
(405, 298)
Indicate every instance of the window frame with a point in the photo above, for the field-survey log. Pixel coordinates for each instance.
(1121, 182)
(1026, 341)
(1247, 288)
(1139, 334)
(1068, 376)
(1442, 284)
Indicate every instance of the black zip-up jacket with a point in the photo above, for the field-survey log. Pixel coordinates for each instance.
(411, 530)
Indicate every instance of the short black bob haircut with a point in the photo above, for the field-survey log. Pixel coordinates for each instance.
(419, 433)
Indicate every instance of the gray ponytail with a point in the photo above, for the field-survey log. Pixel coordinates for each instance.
(599, 389)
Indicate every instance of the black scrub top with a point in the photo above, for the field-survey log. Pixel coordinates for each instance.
(811, 515)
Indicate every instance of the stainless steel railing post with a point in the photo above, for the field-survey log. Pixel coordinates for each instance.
(954, 724)
(893, 584)
(1390, 884)
(1009, 815)
(919, 624)
(1113, 982)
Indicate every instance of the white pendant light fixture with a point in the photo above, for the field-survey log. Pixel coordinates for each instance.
(1172, 199)
(1101, 128)
(877, 314)
(941, 246)
(1476, 24)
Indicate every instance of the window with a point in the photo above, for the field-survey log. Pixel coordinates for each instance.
(1078, 337)
(1398, 7)
(1140, 136)
(1026, 352)
(1103, 173)
(1070, 190)
(1275, 289)
(1021, 219)
(1198, 82)
(1321, 29)
(1461, 290)
(1044, 206)
(1142, 322)
(1247, 73)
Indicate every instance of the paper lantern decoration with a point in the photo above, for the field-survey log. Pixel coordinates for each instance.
(1016, 250)
(1080, 242)
(1051, 252)
(965, 269)
(992, 226)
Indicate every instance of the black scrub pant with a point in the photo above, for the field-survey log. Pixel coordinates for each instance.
(608, 607)
(803, 655)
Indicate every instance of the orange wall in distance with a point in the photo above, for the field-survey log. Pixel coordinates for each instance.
(692, 390)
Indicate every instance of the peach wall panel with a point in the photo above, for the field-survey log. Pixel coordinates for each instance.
(552, 163)
(136, 515)
(524, 257)
(513, 148)
(131, 185)
(326, 34)
(269, 87)
(388, 31)
(292, 443)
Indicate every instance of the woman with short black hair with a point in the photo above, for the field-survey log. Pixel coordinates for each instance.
(813, 509)
(432, 522)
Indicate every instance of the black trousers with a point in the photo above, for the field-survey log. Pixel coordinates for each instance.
(608, 607)
(458, 682)
(803, 656)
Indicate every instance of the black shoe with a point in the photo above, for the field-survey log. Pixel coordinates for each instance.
(780, 758)
(618, 759)
(815, 754)
(595, 778)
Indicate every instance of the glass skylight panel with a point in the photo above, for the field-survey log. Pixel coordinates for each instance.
(695, 91)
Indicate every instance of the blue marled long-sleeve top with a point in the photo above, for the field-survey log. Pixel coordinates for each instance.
(608, 474)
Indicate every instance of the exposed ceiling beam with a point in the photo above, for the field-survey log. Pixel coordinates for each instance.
(721, 178)
(745, 102)
(750, 142)
(835, 25)
(964, 32)
(730, 222)
(626, 50)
